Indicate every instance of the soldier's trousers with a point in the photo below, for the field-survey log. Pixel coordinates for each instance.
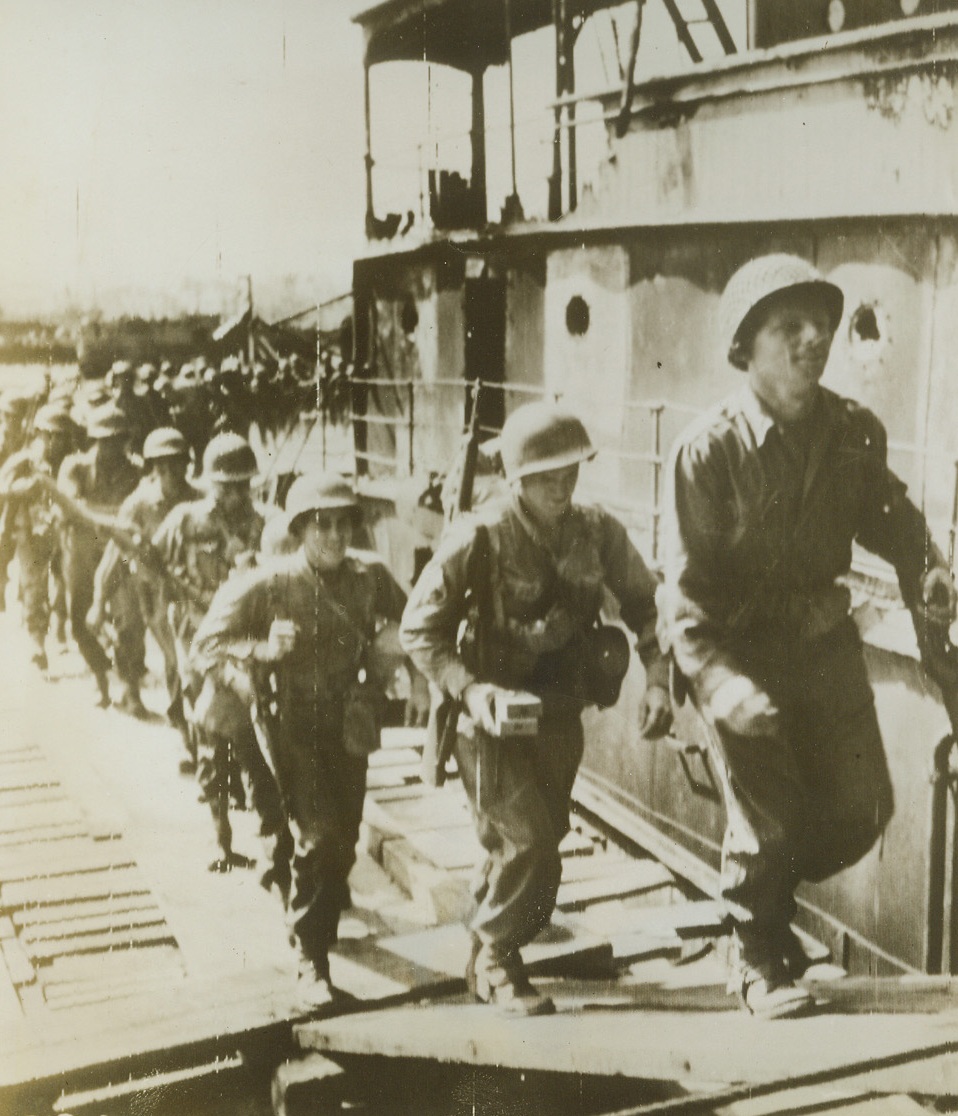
(81, 555)
(222, 761)
(34, 552)
(323, 790)
(520, 793)
(156, 620)
(128, 645)
(811, 799)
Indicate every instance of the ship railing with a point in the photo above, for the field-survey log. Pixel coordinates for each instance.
(642, 513)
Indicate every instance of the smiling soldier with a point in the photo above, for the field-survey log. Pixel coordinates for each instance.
(511, 602)
(768, 492)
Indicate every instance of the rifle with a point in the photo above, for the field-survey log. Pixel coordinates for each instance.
(145, 557)
(444, 713)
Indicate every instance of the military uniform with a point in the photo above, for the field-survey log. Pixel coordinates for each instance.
(144, 597)
(546, 598)
(759, 521)
(322, 783)
(102, 490)
(203, 546)
(32, 521)
(756, 536)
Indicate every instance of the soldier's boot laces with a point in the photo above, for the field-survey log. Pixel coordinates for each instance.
(505, 986)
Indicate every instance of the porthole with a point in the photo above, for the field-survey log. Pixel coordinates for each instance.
(835, 16)
(577, 316)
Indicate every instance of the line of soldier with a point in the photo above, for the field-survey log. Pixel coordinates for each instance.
(284, 709)
(277, 667)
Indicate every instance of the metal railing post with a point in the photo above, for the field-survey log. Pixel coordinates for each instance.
(953, 529)
(656, 411)
(412, 426)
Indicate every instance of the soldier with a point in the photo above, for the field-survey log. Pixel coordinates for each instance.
(189, 406)
(305, 625)
(166, 455)
(768, 492)
(202, 543)
(526, 575)
(121, 383)
(229, 398)
(16, 409)
(100, 479)
(30, 516)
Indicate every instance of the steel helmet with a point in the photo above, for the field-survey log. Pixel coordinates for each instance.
(53, 419)
(120, 370)
(752, 287)
(539, 437)
(107, 421)
(319, 492)
(165, 441)
(229, 457)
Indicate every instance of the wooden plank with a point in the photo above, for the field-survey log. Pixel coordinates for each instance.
(442, 951)
(404, 793)
(115, 922)
(44, 833)
(395, 757)
(684, 1047)
(422, 811)
(15, 819)
(115, 905)
(838, 1099)
(402, 737)
(630, 879)
(703, 919)
(32, 773)
(17, 963)
(887, 995)
(388, 777)
(43, 950)
(448, 848)
(31, 795)
(143, 1087)
(85, 968)
(578, 844)
(208, 1014)
(65, 858)
(68, 889)
(13, 751)
(442, 895)
(604, 865)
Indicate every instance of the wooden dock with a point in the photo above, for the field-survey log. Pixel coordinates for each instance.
(127, 964)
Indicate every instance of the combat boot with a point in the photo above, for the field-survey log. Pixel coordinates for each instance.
(502, 982)
(759, 978)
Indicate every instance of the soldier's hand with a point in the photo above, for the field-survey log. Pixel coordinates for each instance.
(479, 699)
(417, 704)
(279, 643)
(94, 618)
(655, 712)
(939, 596)
(739, 706)
(24, 486)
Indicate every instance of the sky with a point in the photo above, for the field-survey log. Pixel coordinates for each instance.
(154, 153)
(174, 145)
